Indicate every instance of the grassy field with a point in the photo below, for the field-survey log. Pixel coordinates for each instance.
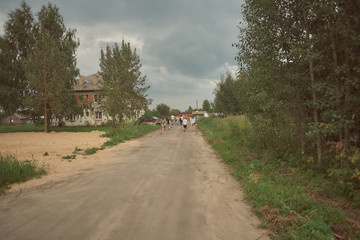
(293, 203)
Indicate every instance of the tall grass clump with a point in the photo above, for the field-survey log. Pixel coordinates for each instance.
(289, 199)
(14, 171)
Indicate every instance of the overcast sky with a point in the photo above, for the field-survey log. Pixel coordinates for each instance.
(184, 45)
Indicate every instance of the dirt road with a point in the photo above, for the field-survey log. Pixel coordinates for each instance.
(162, 186)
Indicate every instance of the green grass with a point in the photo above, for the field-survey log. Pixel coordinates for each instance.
(40, 128)
(14, 171)
(127, 132)
(288, 199)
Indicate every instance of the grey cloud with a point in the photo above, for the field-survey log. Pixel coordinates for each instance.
(190, 39)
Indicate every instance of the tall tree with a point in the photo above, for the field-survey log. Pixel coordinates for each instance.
(163, 109)
(298, 71)
(16, 44)
(225, 100)
(189, 110)
(206, 105)
(124, 87)
(51, 68)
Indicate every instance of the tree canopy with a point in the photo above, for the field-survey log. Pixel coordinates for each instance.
(163, 110)
(15, 45)
(299, 75)
(51, 67)
(39, 64)
(124, 90)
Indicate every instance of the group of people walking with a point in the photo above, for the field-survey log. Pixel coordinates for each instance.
(184, 122)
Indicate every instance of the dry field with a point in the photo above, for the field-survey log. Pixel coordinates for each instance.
(33, 145)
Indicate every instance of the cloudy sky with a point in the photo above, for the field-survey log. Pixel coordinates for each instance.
(184, 45)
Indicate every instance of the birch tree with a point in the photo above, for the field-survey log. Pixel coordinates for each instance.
(51, 68)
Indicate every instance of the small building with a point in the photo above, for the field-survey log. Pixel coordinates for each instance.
(88, 90)
(184, 114)
(16, 119)
(198, 114)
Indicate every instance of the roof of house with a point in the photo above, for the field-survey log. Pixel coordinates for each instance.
(89, 83)
(17, 116)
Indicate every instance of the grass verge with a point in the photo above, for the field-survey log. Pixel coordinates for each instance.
(40, 128)
(289, 200)
(128, 131)
(14, 171)
(123, 133)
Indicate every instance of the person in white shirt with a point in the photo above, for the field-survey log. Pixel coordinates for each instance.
(184, 122)
(193, 123)
(172, 120)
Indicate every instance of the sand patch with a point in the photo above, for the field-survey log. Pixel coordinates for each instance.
(33, 145)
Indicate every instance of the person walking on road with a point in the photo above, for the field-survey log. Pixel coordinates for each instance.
(172, 120)
(193, 124)
(163, 124)
(168, 122)
(184, 122)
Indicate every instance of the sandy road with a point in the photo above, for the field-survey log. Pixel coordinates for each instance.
(165, 186)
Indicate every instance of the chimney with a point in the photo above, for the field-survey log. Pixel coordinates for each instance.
(81, 80)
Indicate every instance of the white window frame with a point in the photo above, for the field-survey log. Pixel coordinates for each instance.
(98, 115)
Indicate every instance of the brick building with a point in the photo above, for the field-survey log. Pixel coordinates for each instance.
(88, 89)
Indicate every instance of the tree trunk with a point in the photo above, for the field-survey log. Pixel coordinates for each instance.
(347, 130)
(335, 60)
(346, 104)
(46, 122)
(299, 123)
(316, 114)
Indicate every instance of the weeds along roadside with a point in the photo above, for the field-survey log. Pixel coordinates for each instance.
(14, 171)
(290, 200)
(123, 133)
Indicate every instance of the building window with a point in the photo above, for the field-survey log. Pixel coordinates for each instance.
(86, 96)
(87, 113)
(97, 98)
(98, 115)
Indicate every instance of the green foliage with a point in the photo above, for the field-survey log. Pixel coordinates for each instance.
(163, 110)
(206, 106)
(189, 110)
(225, 100)
(69, 157)
(128, 131)
(43, 64)
(91, 151)
(298, 81)
(13, 171)
(77, 150)
(15, 45)
(175, 112)
(51, 67)
(289, 199)
(124, 90)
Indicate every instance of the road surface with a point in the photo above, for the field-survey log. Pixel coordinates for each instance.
(163, 187)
